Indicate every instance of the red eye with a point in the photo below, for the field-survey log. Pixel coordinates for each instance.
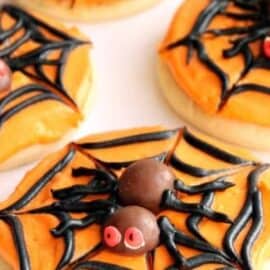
(134, 238)
(266, 47)
(112, 236)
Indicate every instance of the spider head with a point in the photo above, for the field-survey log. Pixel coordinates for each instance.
(131, 230)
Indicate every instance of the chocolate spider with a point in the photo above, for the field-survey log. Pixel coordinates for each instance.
(128, 216)
(257, 15)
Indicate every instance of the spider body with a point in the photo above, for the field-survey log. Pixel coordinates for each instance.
(143, 184)
(145, 188)
(151, 186)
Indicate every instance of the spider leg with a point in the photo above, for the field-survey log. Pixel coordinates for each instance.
(217, 185)
(78, 207)
(167, 237)
(170, 201)
(68, 236)
(232, 30)
(240, 43)
(71, 224)
(97, 211)
(246, 4)
(102, 183)
(242, 17)
(172, 237)
(193, 221)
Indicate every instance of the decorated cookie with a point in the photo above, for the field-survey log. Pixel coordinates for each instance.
(208, 206)
(214, 69)
(88, 10)
(45, 84)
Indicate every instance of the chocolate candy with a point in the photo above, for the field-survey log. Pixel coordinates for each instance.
(5, 77)
(131, 230)
(144, 182)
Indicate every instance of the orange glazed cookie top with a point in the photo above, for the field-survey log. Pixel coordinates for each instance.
(218, 53)
(212, 213)
(88, 10)
(50, 80)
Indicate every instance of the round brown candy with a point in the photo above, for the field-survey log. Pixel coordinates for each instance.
(131, 230)
(144, 182)
(5, 77)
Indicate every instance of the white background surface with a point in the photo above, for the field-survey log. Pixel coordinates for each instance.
(127, 91)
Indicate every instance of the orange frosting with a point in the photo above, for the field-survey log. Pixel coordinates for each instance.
(230, 202)
(200, 83)
(49, 120)
(79, 4)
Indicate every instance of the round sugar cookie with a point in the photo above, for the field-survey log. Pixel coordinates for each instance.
(48, 87)
(110, 200)
(214, 69)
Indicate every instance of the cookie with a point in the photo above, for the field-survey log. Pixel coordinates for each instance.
(46, 85)
(213, 69)
(200, 205)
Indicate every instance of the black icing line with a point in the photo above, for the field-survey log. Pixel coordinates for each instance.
(69, 239)
(252, 207)
(95, 265)
(41, 183)
(118, 165)
(18, 238)
(139, 138)
(213, 150)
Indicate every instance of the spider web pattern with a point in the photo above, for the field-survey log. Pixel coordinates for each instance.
(253, 12)
(47, 40)
(103, 180)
